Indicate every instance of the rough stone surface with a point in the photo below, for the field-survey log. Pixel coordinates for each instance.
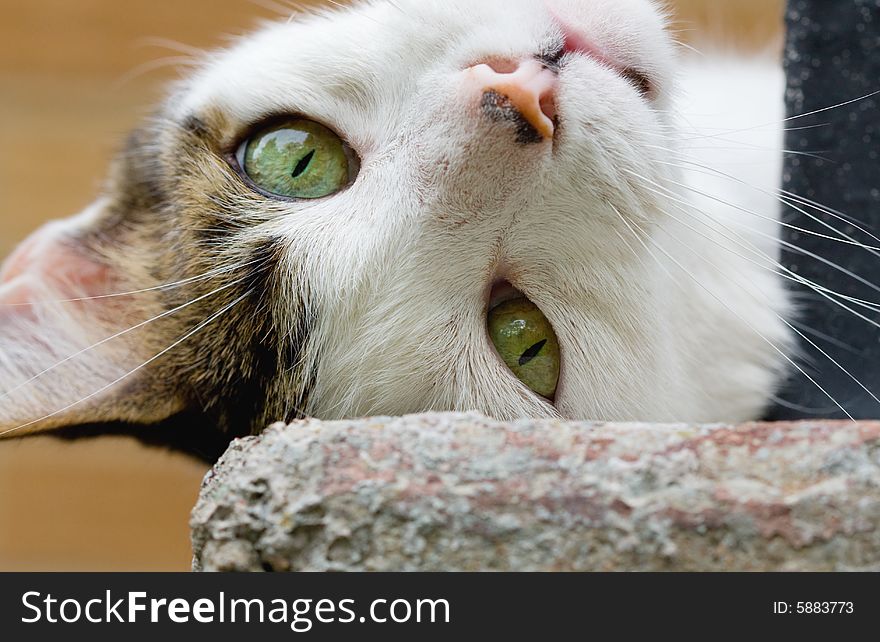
(462, 492)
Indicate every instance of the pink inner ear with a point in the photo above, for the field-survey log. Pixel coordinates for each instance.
(71, 363)
(16, 292)
(15, 299)
(49, 262)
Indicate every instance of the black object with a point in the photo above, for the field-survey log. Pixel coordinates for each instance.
(317, 607)
(832, 58)
(189, 433)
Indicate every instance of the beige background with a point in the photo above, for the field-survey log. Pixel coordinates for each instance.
(75, 75)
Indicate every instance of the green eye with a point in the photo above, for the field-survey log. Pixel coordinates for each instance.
(297, 159)
(526, 342)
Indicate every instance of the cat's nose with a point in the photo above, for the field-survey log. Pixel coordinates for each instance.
(521, 92)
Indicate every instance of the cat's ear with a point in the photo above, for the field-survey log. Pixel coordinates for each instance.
(72, 343)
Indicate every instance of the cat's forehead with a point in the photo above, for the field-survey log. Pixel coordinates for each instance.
(363, 62)
(365, 53)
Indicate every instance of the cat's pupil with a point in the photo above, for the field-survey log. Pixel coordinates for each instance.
(532, 352)
(303, 164)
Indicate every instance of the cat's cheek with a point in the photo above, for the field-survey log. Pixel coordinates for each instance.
(468, 163)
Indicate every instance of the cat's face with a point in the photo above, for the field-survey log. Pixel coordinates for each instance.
(254, 306)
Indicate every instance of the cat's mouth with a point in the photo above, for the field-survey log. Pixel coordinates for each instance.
(524, 339)
(576, 42)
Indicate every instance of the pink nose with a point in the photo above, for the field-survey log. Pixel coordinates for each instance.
(525, 90)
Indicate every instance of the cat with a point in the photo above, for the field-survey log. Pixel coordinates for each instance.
(514, 207)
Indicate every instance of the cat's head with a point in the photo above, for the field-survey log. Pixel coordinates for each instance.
(320, 220)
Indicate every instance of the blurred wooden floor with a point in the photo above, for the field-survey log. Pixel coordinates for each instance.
(71, 84)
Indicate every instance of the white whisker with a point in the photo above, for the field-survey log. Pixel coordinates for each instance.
(788, 274)
(723, 303)
(158, 288)
(785, 197)
(186, 337)
(154, 65)
(117, 336)
(802, 230)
